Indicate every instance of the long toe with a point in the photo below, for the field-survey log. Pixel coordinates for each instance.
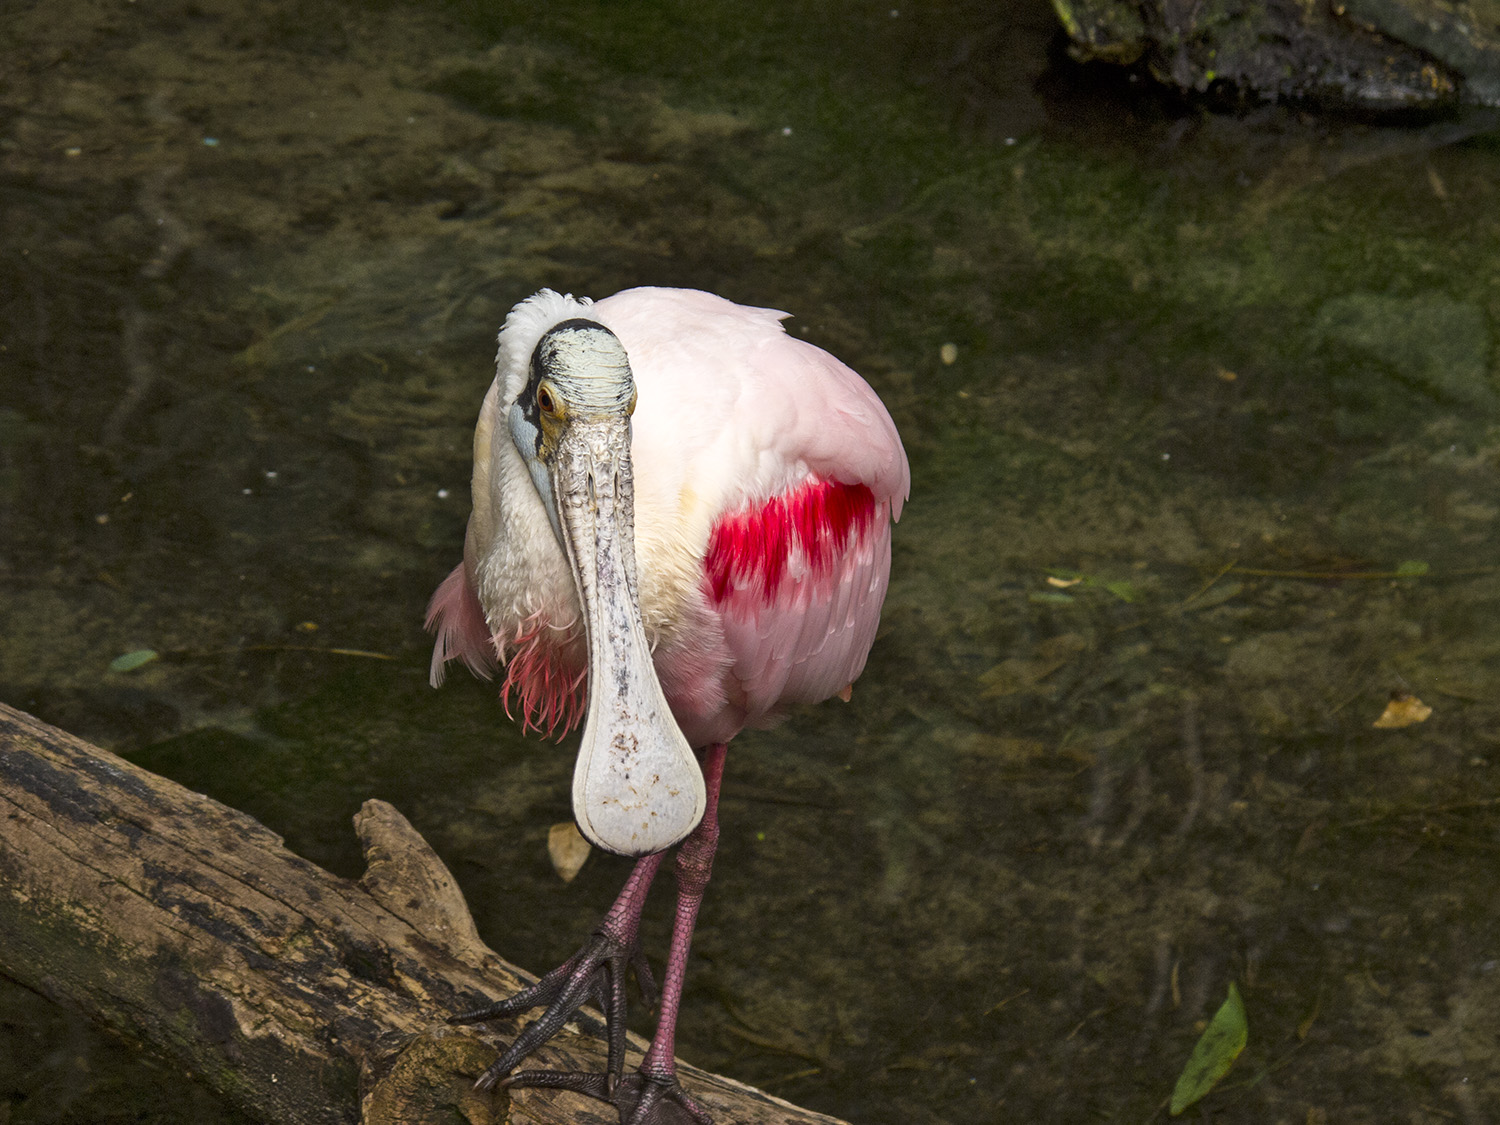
(592, 1085)
(639, 1099)
(596, 972)
(544, 991)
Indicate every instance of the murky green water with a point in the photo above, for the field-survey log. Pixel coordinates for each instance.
(1230, 383)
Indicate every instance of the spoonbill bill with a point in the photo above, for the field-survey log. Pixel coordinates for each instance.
(681, 527)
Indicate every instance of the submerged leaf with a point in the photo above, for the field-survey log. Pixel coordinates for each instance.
(1213, 596)
(1049, 599)
(1027, 673)
(130, 661)
(1412, 568)
(1215, 1052)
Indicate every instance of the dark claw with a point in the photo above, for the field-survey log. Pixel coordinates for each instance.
(596, 972)
(641, 1100)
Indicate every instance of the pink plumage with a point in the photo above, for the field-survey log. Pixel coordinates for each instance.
(803, 471)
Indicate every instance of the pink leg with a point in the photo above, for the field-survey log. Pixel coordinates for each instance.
(652, 1096)
(597, 972)
(624, 917)
(695, 863)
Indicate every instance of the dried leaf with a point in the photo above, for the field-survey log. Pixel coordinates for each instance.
(567, 849)
(1402, 711)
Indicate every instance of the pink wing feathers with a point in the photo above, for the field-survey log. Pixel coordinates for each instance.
(807, 473)
(798, 582)
(455, 615)
(799, 578)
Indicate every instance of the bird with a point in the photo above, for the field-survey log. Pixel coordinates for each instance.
(681, 527)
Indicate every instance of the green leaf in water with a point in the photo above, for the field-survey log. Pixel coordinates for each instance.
(130, 661)
(1412, 568)
(1122, 590)
(1217, 1048)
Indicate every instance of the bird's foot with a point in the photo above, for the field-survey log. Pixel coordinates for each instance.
(640, 1098)
(596, 972)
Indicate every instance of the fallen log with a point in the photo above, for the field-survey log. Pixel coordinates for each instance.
(303, 998)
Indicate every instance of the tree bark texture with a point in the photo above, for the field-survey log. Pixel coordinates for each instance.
(300, 996)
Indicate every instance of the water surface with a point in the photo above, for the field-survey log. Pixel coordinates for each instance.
(1202, 415)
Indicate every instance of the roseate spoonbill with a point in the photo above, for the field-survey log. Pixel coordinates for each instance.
(680, 513)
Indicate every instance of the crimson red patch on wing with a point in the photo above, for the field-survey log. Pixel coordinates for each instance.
(754, 546)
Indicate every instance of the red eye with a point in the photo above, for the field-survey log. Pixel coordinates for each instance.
(544, 400)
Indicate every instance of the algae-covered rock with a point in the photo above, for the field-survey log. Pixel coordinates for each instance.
(1463, 37)
(1404, 55)
(1103, 29)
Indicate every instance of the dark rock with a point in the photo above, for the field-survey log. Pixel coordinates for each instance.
(1422, 56)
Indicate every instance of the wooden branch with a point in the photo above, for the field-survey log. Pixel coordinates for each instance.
(303, 998)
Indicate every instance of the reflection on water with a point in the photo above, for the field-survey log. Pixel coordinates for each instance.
(1202, 418)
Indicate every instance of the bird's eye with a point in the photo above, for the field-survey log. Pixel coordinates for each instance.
(544, 400)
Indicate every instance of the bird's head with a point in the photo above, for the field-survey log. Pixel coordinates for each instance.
(579, 392)
(637, 787)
